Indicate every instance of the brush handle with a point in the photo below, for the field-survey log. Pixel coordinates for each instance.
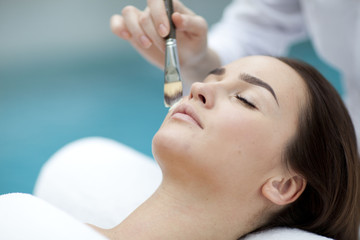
(170, 10)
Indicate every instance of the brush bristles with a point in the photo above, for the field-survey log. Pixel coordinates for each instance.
(172, 93)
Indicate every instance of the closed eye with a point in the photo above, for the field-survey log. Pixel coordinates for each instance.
(246, 102)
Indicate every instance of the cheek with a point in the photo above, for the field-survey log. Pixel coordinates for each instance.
(237, 133)
(240, 151)
(242, 140)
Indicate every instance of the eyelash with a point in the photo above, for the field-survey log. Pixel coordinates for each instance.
(245, 101)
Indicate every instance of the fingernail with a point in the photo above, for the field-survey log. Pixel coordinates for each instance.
(125, 34)
(163, 30)
(145, 42)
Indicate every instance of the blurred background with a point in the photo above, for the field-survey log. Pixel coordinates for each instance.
(65, 76)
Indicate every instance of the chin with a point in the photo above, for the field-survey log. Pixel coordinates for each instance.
(169, 145)
(167, 142)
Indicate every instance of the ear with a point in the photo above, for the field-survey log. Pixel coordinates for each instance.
(282, 191)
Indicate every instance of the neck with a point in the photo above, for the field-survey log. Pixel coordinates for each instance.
(174, 214)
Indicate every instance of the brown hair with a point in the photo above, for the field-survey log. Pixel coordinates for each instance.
(324, 152)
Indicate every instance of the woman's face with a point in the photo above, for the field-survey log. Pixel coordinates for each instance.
(233, 128)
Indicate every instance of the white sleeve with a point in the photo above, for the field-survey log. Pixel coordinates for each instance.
(257, 27)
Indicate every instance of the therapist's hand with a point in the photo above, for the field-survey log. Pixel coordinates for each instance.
(146, 30)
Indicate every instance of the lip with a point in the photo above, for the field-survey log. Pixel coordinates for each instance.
(186, 112)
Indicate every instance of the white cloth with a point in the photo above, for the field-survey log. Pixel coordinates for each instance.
(23, 216)
(284, 234)
(63, 182)
(98, 180)
(256, 27)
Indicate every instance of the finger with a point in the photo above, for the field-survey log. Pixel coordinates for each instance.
(118, 27)
(159, 16)
(181, 8)
(131, 18)
(152, 53)
(195, 25)
(148, 27)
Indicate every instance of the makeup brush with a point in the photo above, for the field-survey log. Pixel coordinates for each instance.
(173, 89)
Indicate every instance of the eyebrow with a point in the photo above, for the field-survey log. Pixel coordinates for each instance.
(258, 82)
(247, 78)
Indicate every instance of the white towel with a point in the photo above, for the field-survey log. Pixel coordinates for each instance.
(23, 216)
(98, 180)
(285, 234)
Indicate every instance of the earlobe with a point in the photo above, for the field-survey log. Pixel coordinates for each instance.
(282, 191)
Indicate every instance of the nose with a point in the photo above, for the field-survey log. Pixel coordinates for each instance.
(204, 93)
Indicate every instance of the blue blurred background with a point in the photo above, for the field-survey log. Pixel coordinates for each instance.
(65, 76)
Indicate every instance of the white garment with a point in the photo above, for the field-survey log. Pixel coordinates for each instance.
(269, 27)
